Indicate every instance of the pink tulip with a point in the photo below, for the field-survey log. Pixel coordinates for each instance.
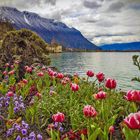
(60, 75)
(90, 73)
(28, 69)
(100, 95)
(12, 66)
(25, 81)
(11, 72)
(89, 111)
(111, 129)
(133, 95)
(74, 87)
(5, 73)
(100, 76)
(133, 120)
(10, 94)
(7, 65)
(51, 73)
(110, 83)
(59, 117)
(40, 74)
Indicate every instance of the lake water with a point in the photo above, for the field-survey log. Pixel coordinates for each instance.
(118, 65)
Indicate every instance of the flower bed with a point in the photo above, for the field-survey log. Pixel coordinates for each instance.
(46, 104)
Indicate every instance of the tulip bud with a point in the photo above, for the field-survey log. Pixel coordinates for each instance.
(40, 74)
(100, 95)
(133, 120)
(11, 72)
(90, 73)
(111, 129)
(89, 111)
(133, 95)
(60, 76)
(59, 117)
(25, 81)
(10, 94)
(110, 83)
(74, 87)
(100, 76)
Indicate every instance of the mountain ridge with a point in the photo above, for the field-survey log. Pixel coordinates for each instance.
(48, 29)
(130, 46)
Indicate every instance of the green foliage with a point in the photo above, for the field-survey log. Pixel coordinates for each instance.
(25, 46)
(136, 62)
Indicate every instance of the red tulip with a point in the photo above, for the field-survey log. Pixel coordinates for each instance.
(28, 69)
(51, 73)
(60, 75)
(25, 81)
(110, 83)
(133, 95)
(4, 73)
(111, 129)
(40, 74)
(10, 94)
(89, 111)
(74, 87)
(90, 73)
(100, 95)
(11, 72)
(100, 76)
(59, 117)
(133, 120)
(38, 95)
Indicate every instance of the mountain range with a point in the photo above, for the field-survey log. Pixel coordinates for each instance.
(132, 46)
(48, 29)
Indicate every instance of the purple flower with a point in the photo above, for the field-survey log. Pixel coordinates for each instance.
(39, 137)
(25, 138)
(17, 127)
(0, 105)
(16, 109)
(7, 103)
(14, 125)
(61, 129)
(32, 135)
(20, 98)
(25, 125)
(18, 137)
(56, 124)
(16, 103)
(9, 132)
(24, 131)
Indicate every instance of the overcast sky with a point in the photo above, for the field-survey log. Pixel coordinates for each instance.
(101, 21)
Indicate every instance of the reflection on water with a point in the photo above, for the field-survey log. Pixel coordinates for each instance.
(117, 65)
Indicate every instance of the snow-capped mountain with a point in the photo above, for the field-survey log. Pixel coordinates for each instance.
(48, 29)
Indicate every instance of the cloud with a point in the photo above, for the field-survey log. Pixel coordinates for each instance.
(100, 21)
(26, 3)
(116, 6)
(92, 4)
(115, 39)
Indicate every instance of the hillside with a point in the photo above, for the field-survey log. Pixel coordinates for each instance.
(47, 28)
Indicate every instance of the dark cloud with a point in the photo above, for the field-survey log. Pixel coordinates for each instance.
(116, 7)
(134, 6)
(92, 4)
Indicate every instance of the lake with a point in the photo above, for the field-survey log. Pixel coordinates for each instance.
(118, 65)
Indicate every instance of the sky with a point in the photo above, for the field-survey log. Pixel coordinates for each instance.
(100, 21)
